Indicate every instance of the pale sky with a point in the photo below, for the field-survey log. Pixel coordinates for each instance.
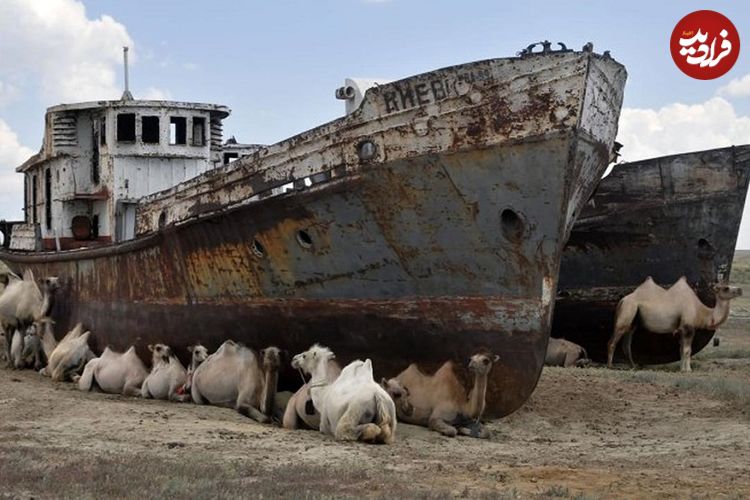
(277, 64)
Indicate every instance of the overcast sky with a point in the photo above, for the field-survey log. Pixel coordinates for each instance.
(276, 64)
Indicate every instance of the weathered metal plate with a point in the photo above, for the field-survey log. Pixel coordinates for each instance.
(666, 218)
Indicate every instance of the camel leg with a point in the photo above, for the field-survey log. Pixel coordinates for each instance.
(131, 388)
(437, 424)
(628, 345)
(87, 379)
(252, 412)
(686, 341)
(195, 394)
(476, 430)
(624, 317)
(145, 393)
(290, 414)
(349, 428)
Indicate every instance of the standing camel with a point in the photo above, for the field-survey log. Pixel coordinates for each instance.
(676, 310)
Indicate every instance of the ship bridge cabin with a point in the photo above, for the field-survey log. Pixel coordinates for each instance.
(98, 158)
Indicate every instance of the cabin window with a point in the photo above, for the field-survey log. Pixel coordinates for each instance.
(126, 127)
(199, 131)
(26, 198)
(150, 129)
(103, 131)
(230, 157)
(48, 199)
(178, 130)
(34, 198)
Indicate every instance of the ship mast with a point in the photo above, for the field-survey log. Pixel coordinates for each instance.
(126, 95)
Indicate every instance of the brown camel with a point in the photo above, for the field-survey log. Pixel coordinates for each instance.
(676, 310)
(440, 401)
(561, 352)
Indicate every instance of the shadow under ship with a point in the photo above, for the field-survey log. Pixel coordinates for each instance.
(664, 217)
(424, 226)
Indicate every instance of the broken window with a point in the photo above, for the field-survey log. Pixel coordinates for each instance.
(178, 130)
(230, 157)
(199, 131)
(126, 127)
(103, 131)
(94, 155)
(150, 129)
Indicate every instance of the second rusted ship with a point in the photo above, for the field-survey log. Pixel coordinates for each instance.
(423, 226)
(665, 217)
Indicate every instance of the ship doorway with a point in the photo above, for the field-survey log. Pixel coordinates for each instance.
(125, 221)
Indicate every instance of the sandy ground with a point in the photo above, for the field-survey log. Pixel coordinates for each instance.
(585, 433)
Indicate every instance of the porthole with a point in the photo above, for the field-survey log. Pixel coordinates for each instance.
(258, 249)
(511, 224)
(367, 150)
(304, 239)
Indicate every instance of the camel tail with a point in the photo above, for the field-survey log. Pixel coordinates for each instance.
(385, 412)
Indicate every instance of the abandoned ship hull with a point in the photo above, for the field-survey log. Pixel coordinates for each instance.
(665, 218)
(448, 244)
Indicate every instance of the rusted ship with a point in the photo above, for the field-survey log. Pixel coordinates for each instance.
(664, 217)
(425, 225)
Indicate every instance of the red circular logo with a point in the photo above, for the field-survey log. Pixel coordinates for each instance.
(705, 44)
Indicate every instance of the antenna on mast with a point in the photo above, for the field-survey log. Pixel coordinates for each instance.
(126, 96)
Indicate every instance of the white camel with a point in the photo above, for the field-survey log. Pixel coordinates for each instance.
(676, 311)
(300, 409)
(67, 357)
(353, 407)
(234, 376)
(22, 302)
(166, 377)
(199, 354)
(114, 372)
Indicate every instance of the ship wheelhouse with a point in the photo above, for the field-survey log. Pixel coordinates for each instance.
(98, 158)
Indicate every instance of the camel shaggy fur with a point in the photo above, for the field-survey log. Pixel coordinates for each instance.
(234, 376)
(114, 372)
(22, 302)
(68, 356)
(300, 410)
(166, 377)
(440, 401)
(353, 407)
(676, 310)
(561, 352)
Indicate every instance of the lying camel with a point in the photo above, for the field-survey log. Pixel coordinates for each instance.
(114, 372)
(234, 376)
(352, 407)
(439, 401)
(199, 354)
(300, 409)
(166, 377)
(69, 356)
(22, 302)
(26, 350)
(676, 310)
(561, 352)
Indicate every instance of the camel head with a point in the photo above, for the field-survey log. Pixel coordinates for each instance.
(160, 352)
(399, 393)
(50, 284)
(199, 354)
(270, 358)
(307, 361)
(481, 363)
(726, 292)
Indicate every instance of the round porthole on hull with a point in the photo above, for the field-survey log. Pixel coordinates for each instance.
(512, 224)
(304, 239)
(258, 249)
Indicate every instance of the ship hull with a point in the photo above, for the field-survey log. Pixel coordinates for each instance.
(409, 258)
(665, 218)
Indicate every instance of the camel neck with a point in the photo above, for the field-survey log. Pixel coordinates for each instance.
(718, 314)
(271, 380)
(48, 340)
(476, 402)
